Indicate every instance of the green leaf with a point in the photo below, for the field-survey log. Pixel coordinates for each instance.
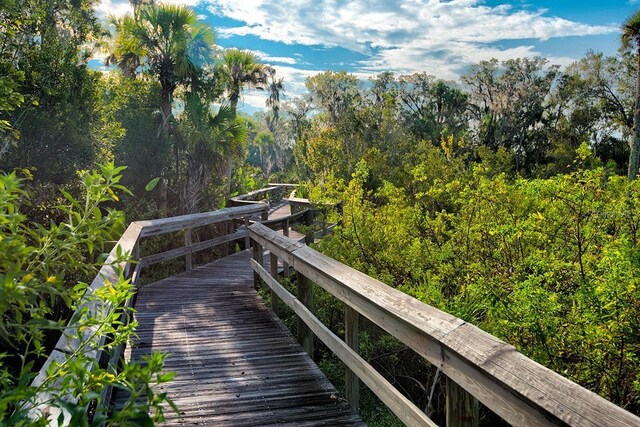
(152, 184)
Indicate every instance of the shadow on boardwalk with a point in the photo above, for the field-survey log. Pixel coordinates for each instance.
(235, 363)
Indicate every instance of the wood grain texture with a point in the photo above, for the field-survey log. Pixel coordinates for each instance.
(196, 247)
(463, 410)
(236, 364)
(351, 330)
(518, 389)
(168, 225)
(406, 411)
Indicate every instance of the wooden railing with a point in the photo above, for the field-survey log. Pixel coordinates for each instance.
(270, 193)
(477, 365)
(235, 222)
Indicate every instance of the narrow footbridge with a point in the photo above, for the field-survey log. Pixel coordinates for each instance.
(236, 364)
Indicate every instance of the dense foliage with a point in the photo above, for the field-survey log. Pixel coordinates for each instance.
(549, 265)
(39, 282)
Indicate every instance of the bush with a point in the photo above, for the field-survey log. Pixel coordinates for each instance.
(548, 265)
(38, 267)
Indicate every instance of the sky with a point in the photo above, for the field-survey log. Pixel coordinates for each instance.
(301, 38)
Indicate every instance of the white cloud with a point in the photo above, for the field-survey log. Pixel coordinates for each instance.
(189, 3)
(434, 35)
(113, 7)
(118, 8)
(265, 57)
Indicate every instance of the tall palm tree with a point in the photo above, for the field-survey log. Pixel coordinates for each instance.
(631, 38)
(166, 41)
(212, 138)
(240, 69)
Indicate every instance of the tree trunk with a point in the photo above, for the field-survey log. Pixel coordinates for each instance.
(166, 105)
(229, 170)
(634, 145)
(234, 107)
(162, 196)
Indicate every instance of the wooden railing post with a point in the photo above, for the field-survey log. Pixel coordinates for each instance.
(257, 255)
(247, 240)
(308, 222)
(227, 229)
(285, 265)
(188, 260)
(273, 267)
(351, 381)
(305, 296)
(463, 410)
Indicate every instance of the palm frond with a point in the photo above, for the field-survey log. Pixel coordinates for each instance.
(630, 31)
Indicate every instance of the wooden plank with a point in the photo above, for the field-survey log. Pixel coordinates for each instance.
(258, 257)
(410, 414)
(279, 223)
(518, 389)
(236, 364)
(273, 266)
(200, 246)
(351, 382)
(247, 239)
(274, 242)
(41, 404)
(167, 225)
(285, 264)
(463, 410)
(188, 261)
(304, 289)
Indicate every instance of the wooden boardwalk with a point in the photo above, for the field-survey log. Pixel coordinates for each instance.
(280, 211)
(236, 364)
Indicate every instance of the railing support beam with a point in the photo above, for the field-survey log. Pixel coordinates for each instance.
(285, 233)
(273, 267)
(463, 410)
(351, 381)
(259, 258)
(188, 258)
(305, 296)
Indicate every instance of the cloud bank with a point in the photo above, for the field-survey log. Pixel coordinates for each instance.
(442, 37)
(406, 36)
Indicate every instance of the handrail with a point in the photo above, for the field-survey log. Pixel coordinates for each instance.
(516, 388)
(282, 184)
(257, 196)
(129, 243)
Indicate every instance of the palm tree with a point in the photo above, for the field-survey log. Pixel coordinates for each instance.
(240, 69)
(212, 138)
(631, 38)
(163, 40)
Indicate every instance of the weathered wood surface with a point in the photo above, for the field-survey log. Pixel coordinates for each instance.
(351, 332)
(518, 389)
(167, 225)
(406, 411)
(282, 212)
(236, 364)
(196, 247)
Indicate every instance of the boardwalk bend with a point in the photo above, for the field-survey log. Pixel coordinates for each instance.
(237, 365)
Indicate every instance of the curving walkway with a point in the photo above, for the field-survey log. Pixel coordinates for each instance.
(236, 364)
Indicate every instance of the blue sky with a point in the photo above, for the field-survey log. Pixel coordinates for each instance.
(441, 37)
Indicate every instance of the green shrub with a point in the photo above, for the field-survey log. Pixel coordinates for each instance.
(38, 291)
